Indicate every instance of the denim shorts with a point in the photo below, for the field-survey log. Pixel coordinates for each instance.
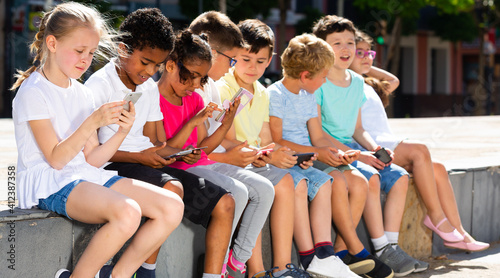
(314, 178)
(388, 176)
(57, 201)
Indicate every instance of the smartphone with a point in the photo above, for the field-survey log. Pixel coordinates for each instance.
(130, 96)
(264, 151)
(301, 157)
(184, 152)
(245, 97)
(383, 155)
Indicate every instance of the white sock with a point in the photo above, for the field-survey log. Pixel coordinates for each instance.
(393, 238)
(379, 244)
(149, 266)
(207, 275)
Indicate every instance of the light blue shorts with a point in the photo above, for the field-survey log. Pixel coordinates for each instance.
(57, 201)
(388, 176)
(314, 179)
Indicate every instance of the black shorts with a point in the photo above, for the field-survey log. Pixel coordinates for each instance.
(200, 195)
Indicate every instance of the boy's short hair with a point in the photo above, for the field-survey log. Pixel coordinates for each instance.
(257, 35)
(306, 53)
(222, 33)
(363, 37)
(147, 27)
(332, 24)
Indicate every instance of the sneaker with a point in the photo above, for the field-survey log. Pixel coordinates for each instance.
(235, 269)
(419, 265)
(358, 265)
(329, 267)
(401, 265)
(263, 274)
(144, 273)
(293, 272)
(380, 270)
(63, 273)
(104, 272)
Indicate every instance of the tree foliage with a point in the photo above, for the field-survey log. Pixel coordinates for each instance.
(236, 9)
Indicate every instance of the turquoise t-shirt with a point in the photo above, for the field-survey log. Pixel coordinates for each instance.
(340, 107)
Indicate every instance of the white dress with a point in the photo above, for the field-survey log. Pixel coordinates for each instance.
(66, 108)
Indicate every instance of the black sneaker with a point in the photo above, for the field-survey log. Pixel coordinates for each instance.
(359, 265)
(104, 272)
(380, 270)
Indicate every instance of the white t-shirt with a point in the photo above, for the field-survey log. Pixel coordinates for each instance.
(375, 121)
(107, 87)
(66, 108)
(211, 94)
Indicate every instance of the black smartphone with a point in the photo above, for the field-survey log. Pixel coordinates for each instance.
(301, 157)
(383, 156)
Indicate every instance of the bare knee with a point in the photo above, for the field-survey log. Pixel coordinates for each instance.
(225, 207)
(169, 209)
(301, 190)
(176, 187)
(402, 184)
(285, 187)
(374, 184)
(420, 153)
(126, 215)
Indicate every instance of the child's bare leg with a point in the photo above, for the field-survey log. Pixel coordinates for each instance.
(373, 209)
(218, 234)
(415, 158)
(256, 264)
(447, 197)
(347, 239)
(282, 222)
(394, 205)
(358, 191)
(320, 216)
(176, 187)
(164, 210)
(302, 224)
(95, 204)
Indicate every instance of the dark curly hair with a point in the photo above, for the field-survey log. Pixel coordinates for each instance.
(190, 47)
(147, 27)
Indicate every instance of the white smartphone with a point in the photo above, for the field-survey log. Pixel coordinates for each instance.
(131, 96)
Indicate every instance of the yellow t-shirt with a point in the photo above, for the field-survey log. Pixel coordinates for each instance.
(248, 123)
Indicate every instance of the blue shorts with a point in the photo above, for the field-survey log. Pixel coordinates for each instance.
(388, 176)
(57, 201)
(314, 179)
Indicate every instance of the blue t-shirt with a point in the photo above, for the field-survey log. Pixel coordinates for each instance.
(340, 107)
(294, 110)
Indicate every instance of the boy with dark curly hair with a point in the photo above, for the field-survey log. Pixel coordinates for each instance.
(142, 155)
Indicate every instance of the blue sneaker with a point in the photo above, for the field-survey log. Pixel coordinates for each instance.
(104, 272)
(144, 273)
(63, 273)
(294, 272)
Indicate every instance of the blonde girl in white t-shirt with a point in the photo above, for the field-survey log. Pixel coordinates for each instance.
(59, 153)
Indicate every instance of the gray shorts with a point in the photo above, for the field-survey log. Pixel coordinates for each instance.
(270, 172)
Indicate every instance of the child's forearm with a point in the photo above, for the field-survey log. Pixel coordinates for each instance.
(381, 74)
(296, 147)
(103, 153)
(364, 139)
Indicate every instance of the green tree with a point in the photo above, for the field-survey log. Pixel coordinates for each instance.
(236, 9)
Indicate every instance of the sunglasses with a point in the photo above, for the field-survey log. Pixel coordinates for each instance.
(186, 75)
(232, 61)
(362, 54)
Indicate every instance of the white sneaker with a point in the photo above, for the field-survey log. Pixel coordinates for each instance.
(330, 267)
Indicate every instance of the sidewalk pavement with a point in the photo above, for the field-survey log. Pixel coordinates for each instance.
(483, 264)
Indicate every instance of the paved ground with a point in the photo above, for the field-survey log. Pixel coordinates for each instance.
(462, 265)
